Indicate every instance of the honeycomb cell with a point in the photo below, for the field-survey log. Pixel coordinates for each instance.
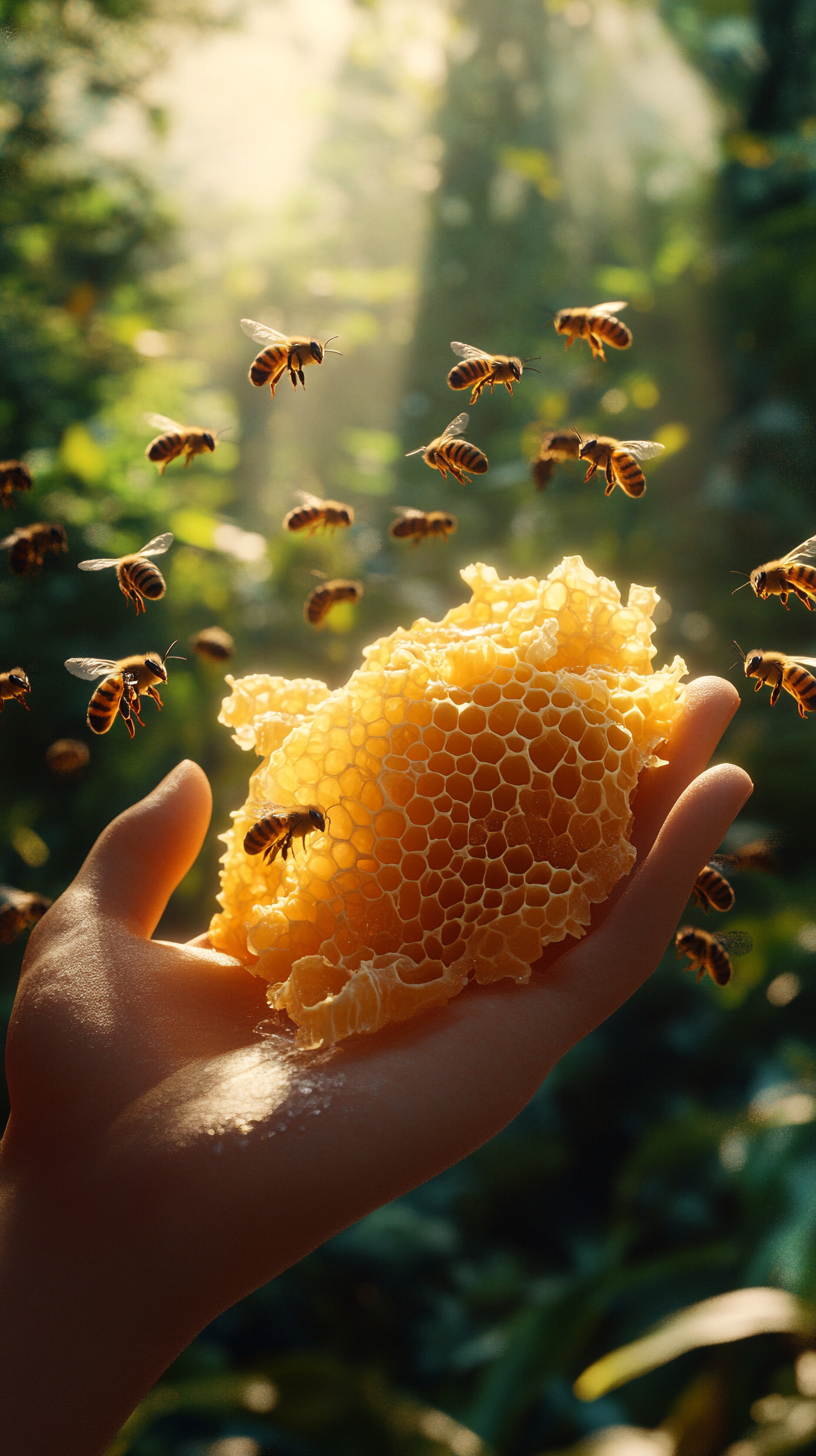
(476, 777)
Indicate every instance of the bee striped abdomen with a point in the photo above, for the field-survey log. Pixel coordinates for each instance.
(105, 702)
(165, 448)
(270, 362)
(629, 473)
(469, 372)
(712, 888)
(801, 684)
(804, 577)
(262, 836)
(464, 457)
(141, 579)
(611, 330)
(719, 964)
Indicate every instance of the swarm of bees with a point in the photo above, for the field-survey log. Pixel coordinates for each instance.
(14, 475)
(122, 682)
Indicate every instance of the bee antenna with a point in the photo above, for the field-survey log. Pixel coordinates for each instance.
(168, 658)
(530, 368)
(577, 432)
(330, 339)
(530, 361)
(742, 655)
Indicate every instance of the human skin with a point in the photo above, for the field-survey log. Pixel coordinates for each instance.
(145, 1182)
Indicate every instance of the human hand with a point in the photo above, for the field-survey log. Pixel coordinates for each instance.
(163, 1159)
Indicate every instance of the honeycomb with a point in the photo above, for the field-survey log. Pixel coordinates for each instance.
(476, 774)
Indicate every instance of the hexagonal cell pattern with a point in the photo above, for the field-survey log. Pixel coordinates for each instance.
(476, 774)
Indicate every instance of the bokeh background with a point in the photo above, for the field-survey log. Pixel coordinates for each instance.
(404, 172)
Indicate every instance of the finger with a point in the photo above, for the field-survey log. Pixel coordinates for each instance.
(711, 703)
(139, 859)
(594, 979)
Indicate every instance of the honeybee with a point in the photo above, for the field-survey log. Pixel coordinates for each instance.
(14, 475)
(27, 546)
(757, 856)
(282, 353)
(124, 682)
(711, 952)
(67, 756)
(597, 325)
(480, 370)
(780, 671)
(277, 830)
(314, 513)
(18, 910)
(712, 890)
(176, 439)
(619, 461)
(416, 526)
(13, 684)
(213, 644)
(324, 597)
(789, 574)
(136, 576)
(556, 445)
(446, 453)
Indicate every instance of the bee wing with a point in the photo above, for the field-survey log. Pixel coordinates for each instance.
(641, 449)
(724, 861)
(162, 422)
(8, 540)
(406, 513)
(807, 548)
(158, 545)
(307, 498)
(456, 427)
(805, 661)
(609, 307)
(736, 942)
(467, 351)
(99, 563)
(261, 334)
(90, 667)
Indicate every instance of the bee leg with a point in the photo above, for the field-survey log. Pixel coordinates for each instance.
(775, 690)
(593, 467)
(568, 343)
(442, 471)
(803, 597)
(759, 687)
(155, 696)
(24, 704)
(802, 710)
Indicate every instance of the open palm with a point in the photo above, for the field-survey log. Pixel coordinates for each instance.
(163, 1158)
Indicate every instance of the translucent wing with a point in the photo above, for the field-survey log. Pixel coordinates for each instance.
(456, 427)
(261, 334)
(807, 548)
(158, 545)
(609, 307)
(641, 449)
(99, 563)
(736, 942)
(162, 422)
(406, 513)
(307, 498)
(8, 540)
(805, 661)
(90, 667)
(466, 351)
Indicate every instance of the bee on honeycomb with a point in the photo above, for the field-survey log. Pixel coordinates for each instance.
(479, 773)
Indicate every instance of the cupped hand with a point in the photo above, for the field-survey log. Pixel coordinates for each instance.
(163, 1158)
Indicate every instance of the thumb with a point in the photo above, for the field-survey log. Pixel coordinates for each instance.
(139, 859)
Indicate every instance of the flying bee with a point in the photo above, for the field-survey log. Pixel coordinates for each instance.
(780, 671)
(176, 439)
(324, 597)
(124, 682)
(556, 445)
(67, 756)
(18, 910)
(275, 832)
(315, 513)
(711, 952)
(14, 475)
(282, 353)
(757, 856)
(13, 684)
(137, 577)
(446, 453)
(213, 644)
(619, 461)
(27, 546)
(789, 574)
(712, 891)
(597, 325)
(416, 526)
(479, 370)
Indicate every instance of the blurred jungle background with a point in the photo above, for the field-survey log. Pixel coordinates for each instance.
(401, 173)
